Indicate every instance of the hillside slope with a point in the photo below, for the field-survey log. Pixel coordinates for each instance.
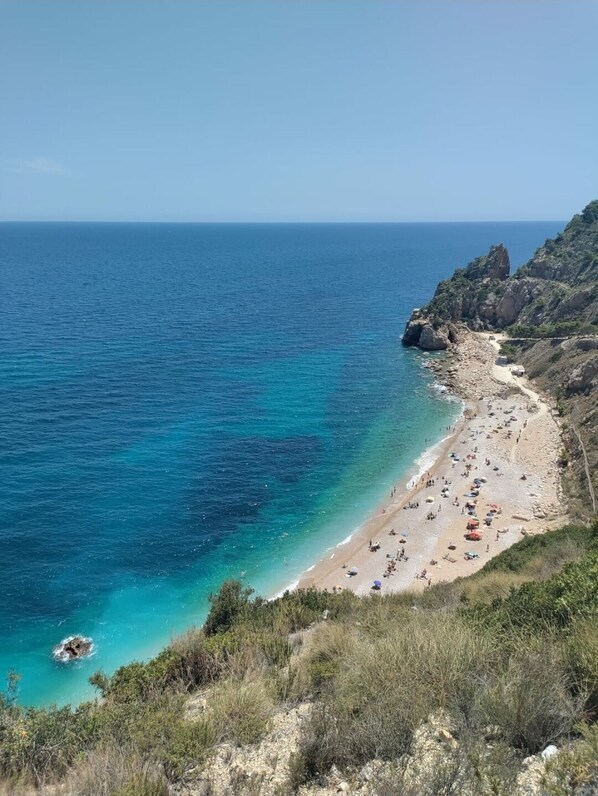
(458, 689)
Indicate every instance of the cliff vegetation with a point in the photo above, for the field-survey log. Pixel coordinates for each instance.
(464, 688)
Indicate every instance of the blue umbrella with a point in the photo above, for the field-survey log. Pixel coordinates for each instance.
(377, 584)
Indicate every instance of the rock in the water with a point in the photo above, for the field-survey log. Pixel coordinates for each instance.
(72, 648)
(413, 330)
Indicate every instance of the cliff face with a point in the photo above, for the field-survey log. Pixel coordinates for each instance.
(550, 310)
(557, 287)
(470, 295)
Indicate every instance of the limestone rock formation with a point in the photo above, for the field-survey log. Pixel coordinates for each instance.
(584, 378)
(432, 339)
(471, 295)
(518, 294)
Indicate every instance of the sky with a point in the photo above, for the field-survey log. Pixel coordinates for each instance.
(298, 110)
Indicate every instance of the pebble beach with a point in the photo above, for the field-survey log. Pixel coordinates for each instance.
(495, 472)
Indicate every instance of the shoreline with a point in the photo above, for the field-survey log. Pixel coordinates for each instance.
(401, 545)
(380, 509)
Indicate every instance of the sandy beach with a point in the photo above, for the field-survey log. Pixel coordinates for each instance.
(508, 439)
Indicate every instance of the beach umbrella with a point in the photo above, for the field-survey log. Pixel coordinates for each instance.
(353, 571)
(377, 584)
(430, 499)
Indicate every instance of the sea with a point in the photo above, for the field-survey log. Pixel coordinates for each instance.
(186, 403)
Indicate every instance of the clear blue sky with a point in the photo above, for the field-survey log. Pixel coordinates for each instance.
(319, 110)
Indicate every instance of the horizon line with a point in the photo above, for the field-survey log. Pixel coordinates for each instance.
(281, 223)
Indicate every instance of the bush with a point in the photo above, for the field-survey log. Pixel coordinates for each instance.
(581, 646)
(240, 712)
(531, 700)
(227, 606)
(386, 687)
(139, 681)
(527, 553)
(329, 647)
(178, 744)
(40, 744)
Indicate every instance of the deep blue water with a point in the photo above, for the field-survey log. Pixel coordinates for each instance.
(183, 403)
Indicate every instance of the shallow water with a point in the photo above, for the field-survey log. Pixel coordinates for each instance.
(184, 403)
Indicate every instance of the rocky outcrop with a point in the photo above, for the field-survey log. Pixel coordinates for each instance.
(432, 339)
(550, 309)
(471, 295)
(495, 265)
(518, 294)
(72, 648)
(584, 378)
(558, 286)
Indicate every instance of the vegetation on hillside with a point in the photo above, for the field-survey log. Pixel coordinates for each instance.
(509, 654)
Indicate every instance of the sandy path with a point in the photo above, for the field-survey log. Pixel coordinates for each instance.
(507, 432)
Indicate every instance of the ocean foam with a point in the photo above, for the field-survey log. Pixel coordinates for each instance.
(291, 587)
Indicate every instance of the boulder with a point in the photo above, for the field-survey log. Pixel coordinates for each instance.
(72, 648)
(453, 333)
(413, 331)
(584, 377)
(432, 339)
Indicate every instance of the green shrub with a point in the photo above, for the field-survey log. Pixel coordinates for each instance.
(564, 458)
(41, 744)
(328, 649)
(108, 769)
(520, 556)
(162, 733)
(386, 687)
(227, 605)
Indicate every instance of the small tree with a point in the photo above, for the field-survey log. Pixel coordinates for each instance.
(227, 605)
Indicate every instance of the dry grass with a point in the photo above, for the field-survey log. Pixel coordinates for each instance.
(241, 711)
(106, 771)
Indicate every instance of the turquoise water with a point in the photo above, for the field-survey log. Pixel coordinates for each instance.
(184, 403)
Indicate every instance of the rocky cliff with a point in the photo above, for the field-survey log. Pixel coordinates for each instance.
(557, 289)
